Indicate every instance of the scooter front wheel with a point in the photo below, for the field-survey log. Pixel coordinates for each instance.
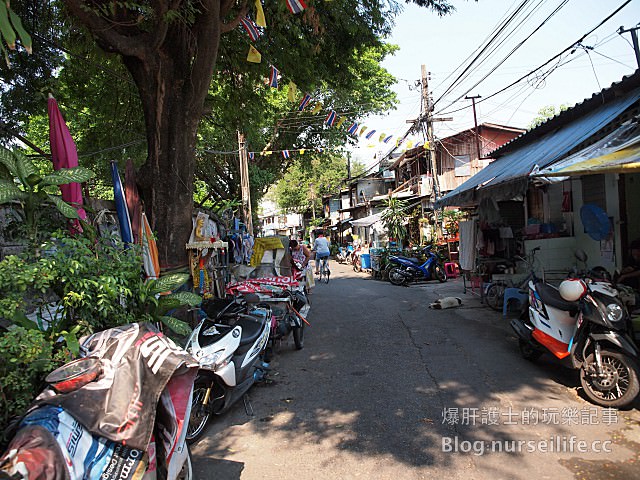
(200, 414)
(298, 336)
(617, 384)
(396, 277)
(439, 273)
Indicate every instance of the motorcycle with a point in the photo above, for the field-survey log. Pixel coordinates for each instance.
(290, 308)
(230, 356)
(117, 413)
(585, 321)
(344, 254)
(402, 270)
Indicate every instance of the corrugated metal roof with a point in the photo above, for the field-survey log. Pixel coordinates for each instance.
(519, 162)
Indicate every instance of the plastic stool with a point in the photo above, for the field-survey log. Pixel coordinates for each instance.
(451, 269)
(514, 294)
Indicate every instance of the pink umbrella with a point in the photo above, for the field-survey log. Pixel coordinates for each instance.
(134, 204)
(64, 155)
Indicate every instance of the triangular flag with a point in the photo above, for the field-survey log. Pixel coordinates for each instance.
(267, 152)
(341, 120)
(296, 6)
(291, 94)
(317, 108)
(363, 129)
(426, 145)
(252, 155)
(260, 21)
(370, 134)
(302, 151)
(409, 144)
(273, 78)
(304, 102)
(254, 55)
(382, 137)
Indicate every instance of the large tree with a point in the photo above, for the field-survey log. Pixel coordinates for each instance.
(170, 48)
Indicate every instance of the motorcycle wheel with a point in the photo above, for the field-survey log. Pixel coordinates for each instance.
(396, 277)
(187, 470)
(298, 336)
(199, 418)
(495, 296)
(439, 273)
(618, 386)
(528, 351)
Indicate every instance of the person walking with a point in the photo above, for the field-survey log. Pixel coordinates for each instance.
(321, 247)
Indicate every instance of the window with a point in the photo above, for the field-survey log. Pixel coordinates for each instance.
(462, 166)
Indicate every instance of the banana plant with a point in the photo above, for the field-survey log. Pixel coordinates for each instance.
(158, 299)
(20, 181)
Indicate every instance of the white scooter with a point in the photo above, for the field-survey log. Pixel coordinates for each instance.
(230, 355)
(585, 321)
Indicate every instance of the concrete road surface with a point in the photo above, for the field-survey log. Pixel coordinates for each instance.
(386, 388)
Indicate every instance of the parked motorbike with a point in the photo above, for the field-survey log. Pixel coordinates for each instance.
(290, 308)
(118, 413)
(403, 270)
(585, 321)
(230, 356)
(344, 254)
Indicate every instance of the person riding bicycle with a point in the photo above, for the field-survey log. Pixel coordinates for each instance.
(321, 247)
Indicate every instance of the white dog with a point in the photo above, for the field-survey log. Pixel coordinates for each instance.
(446, 302)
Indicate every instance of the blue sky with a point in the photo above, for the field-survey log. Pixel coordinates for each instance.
(443, 44)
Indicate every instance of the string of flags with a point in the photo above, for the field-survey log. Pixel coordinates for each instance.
(332, 119)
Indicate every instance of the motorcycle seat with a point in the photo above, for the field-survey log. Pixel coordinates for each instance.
(414, 260)
(551, 296)
(251, 329)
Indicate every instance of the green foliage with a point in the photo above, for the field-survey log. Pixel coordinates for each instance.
(545, 113)
(10, 30)
(26, 356)
(394, 218)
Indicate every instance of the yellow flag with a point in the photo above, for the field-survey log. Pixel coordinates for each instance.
(302, 151)
(409, 144)
(267, 152)
(317, 108)
(291, 95)
(254, 55)
(260, 21)
(363, 129)
(382, 137)
(341, 120)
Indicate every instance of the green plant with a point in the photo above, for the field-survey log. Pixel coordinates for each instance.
(20, 181)
(394, 218)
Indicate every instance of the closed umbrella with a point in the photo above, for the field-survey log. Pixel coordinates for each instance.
(134, 203)
(149, 249)
(64, 155)
(121, 205)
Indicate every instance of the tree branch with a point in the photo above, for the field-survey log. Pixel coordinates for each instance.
(225, 8)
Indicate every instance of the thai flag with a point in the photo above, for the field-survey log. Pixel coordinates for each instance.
(353, 128)
(296, 6)
(251, 28)
(305, 101)
(273, 79)
(285, 154)
(331, 118)
(370, 134)
(386, 140)
(252, 156)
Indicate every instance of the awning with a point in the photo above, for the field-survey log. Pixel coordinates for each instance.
(618, 152)
(508, 176)
(367, 221)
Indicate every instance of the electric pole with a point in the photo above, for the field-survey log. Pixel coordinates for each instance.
(427, 117)
(634, 38)
(244, 183)
(475, 122)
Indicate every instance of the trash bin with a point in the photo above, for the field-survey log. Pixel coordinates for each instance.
(365, 261)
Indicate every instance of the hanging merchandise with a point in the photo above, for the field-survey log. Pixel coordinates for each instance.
(567, 203)
(296, 6)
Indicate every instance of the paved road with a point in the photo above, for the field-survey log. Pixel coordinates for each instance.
(386, 388)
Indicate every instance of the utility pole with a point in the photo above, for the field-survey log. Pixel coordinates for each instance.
(475, 122)
(244, 183)
(634, 38)
(427, 117)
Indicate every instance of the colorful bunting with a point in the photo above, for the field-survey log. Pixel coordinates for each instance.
(251, 29)
(254, 55)
(370, 134)
(260, 15)
(273, 79)
(331, 118)
(317, 108)
(341, 120)
(382, 136)
(296, 6)
(285, 154)
(302, 150)
(291, 94)
(305, 101)
(409, 144)
(363, 129)
(252, 156)
(386, 140)
(353, 128)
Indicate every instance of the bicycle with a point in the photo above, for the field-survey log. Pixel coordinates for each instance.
(494, 295)
(324, 273)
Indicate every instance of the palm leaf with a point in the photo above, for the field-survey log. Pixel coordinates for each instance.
(9, 191)
(66, 209)
(169, 282)
(68, 175)
(5, 27)
(27, 171)
(178, 326)
(8, 161)
(25, 38)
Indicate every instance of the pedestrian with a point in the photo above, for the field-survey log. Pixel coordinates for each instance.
(301, 256)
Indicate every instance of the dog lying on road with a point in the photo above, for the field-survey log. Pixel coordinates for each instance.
(446, 302)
